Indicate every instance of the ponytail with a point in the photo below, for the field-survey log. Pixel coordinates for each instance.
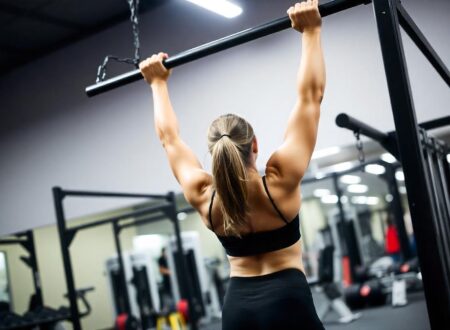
(230, 141)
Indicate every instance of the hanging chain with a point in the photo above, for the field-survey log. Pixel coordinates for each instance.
(359, 147)
(101, 71)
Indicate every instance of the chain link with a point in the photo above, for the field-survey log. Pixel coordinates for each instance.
(101, 71)
(359, 147)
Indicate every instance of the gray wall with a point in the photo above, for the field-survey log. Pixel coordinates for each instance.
(52, 134)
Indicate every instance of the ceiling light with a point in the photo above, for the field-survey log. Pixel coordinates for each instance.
(341, 167)
(388, 158)
(325, 152)
(350, 179)
(389, 198)
(329, 199)
(321, 192)
(402, 190)
(448, 158)
(359, 199)
(357, 188)
(374, 169)
(371, 200)
(400, 176)
(221, 7)
(182, 216)
(344, 199)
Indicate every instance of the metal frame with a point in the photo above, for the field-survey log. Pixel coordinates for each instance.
(218, 45)
(26, 240)
(164, 208)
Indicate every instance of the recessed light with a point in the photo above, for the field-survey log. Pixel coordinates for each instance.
(400, 176)
(357, 188)
(321, 192)
(221, 7)
(329, 199)
(350, 179)
(388, 158)
(374, 169)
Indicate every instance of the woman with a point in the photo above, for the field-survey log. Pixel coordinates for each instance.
(256, 219)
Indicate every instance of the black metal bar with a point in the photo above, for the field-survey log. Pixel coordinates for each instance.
(150, 209)
(220, 45)
(435, 123)
(11, 241)
(81, 193)
(186, 276)
(345, 121)
(58, 196)
(142, 221)
(122, 276)
(35, 268)
(397, 210)
(419, 194)
(337, 188)
(422, 43)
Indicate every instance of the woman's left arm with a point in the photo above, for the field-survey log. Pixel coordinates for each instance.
(188, 171)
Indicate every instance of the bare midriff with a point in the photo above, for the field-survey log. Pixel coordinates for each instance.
(267, 263)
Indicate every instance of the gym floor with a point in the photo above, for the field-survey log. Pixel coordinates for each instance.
(413, 316)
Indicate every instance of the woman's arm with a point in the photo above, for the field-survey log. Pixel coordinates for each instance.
(290, 161)
(185, 165)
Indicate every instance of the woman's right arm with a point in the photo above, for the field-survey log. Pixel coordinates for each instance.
(289, 163)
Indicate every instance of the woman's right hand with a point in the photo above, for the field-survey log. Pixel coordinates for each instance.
(305, 16)
(153, 69)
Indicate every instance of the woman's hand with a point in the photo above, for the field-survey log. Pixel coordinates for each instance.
(305, 16)
(153, 69)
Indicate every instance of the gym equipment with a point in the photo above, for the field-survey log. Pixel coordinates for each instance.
(220, 45)
(205, 301)
(326, 284)
(162, 207)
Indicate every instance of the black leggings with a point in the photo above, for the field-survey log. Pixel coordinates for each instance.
(281, 300)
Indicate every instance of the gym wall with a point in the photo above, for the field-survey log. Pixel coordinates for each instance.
(52, 134)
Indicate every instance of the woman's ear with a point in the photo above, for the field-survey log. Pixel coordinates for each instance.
(255, 145)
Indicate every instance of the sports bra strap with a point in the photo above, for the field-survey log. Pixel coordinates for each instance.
(210, 210)
(271, 200)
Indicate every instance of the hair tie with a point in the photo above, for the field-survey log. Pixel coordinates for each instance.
(224, 135)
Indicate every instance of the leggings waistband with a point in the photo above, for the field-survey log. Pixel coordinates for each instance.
(270, 276)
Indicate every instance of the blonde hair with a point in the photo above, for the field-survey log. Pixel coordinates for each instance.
(230, 140)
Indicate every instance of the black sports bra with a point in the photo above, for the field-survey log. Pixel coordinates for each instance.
(263, 241)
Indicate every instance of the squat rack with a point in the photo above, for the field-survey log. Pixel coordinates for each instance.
(389, 16)
(164, 207)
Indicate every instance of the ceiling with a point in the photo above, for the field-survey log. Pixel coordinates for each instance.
(34, 28)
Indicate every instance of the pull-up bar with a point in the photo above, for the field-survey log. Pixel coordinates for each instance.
(220, 44)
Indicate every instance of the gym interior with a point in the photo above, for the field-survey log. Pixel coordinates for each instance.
(95, 232)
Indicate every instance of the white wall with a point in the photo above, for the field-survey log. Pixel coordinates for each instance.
(52, 134)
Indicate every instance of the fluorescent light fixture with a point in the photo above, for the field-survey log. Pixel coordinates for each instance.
(329, 199)
(388, 158)
(371, 200)
(350, 179)
(357, 188)
(388, 198)
(367, 200)
(321, 192)
(374, 169)
(341, 167)
(182, 216)
(402, 190)
(325, 152)
(221, 7)
(320, 175)
(400, 176)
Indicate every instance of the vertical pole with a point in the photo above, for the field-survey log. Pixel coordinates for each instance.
(343, 243)
(192, 310)
(123, 279)
(34, 267)
(58, 196)
(419, 194)
(397, 211)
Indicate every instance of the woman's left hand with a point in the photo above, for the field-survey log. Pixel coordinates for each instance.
(153, 69)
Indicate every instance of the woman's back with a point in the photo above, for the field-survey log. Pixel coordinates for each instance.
(263, 218)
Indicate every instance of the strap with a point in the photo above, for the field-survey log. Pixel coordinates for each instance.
(210, 210)
(271, 200)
